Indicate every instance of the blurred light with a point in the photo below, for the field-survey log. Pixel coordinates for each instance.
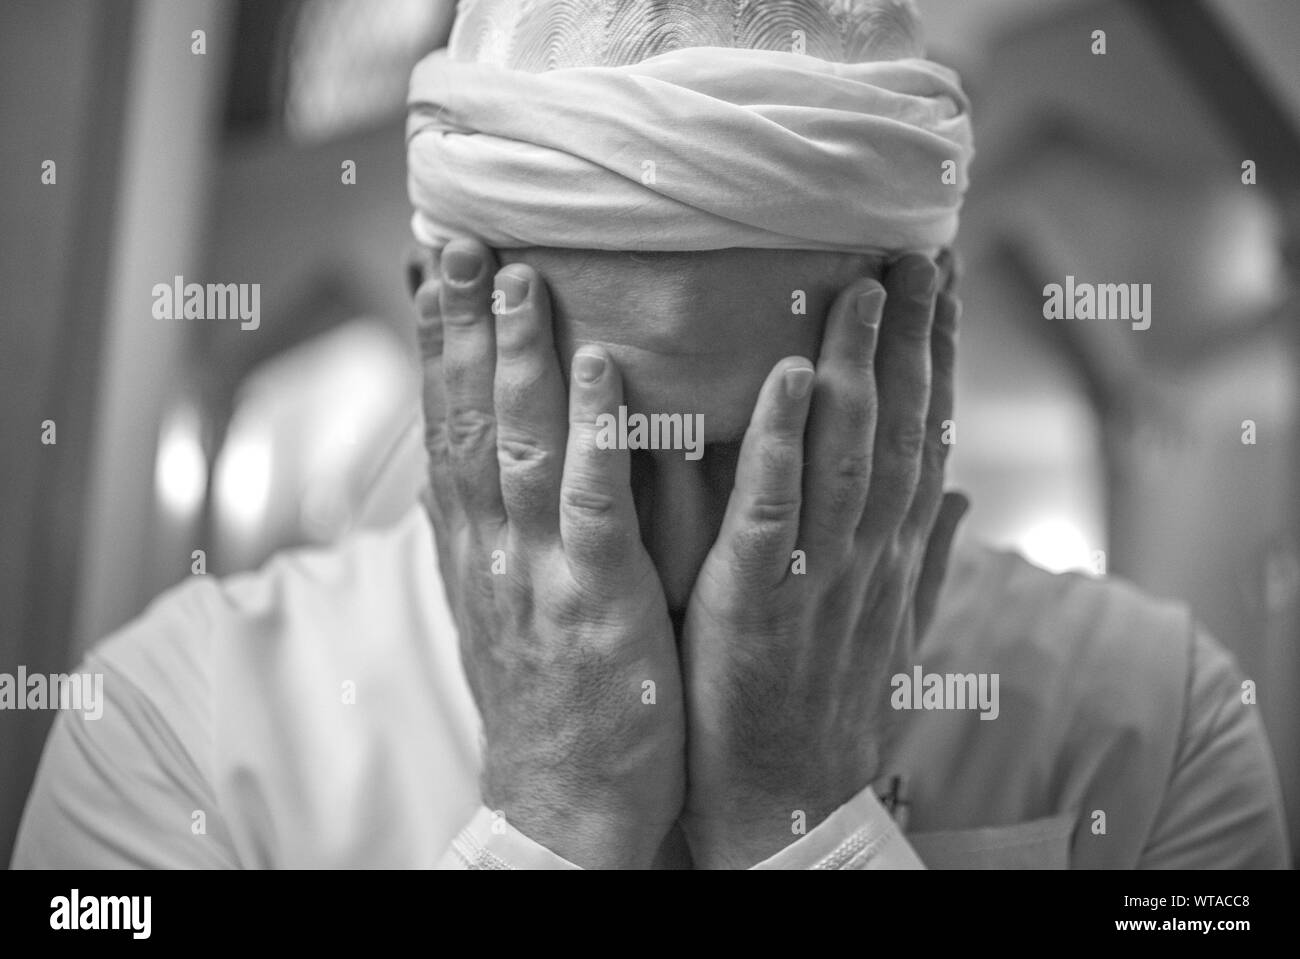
(1242, 255)
(180, 467)
(243, 480)
(1056, 544)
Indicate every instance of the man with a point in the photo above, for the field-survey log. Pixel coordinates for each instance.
(640, 657)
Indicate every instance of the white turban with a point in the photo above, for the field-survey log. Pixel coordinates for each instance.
(699, 148)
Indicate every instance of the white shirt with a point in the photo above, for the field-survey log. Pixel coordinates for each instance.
(314, 714)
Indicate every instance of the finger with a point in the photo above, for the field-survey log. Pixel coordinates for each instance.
(598, 522)
(421, 265)
(442, 503)
(903, 389)
(939, 427)
(444, 536)
(468, 365)
(761, 525)
(950, 266)
(934, 568)
(842, 423)
(530, 404)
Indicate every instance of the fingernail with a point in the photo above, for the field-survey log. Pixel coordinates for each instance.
(798, 381)
(868, 305)
(920, 280)
(588, 367)
(460, 265)
(514, 287)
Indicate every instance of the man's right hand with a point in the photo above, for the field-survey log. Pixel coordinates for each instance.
(564, 629)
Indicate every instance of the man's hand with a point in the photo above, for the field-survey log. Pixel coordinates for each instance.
(564, 629)
(788, 655)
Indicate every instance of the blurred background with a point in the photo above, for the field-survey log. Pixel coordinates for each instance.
(250, 141)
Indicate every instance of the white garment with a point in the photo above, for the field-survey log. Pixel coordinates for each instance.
(226, 704)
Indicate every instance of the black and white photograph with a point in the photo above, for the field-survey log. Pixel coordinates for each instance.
(634, 435)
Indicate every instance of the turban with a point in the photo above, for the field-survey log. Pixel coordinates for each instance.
(696, 148)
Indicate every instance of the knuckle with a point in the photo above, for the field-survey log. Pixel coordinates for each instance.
(906, 439)
(521, 451)
(429, 335)
(586, 501)
(468, 429)
(849, 481)
(583, 427)
(776, 457)
(772, 509)
(461, 313)
(853, 470)
(527, 477)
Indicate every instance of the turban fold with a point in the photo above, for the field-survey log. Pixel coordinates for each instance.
(699, 148)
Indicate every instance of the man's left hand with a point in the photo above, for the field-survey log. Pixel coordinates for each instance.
(822, 572)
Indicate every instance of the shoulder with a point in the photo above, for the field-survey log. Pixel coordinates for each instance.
(1116, 707)
(1090, 679)
(304, 597)
(218, 688)
(1100, 644)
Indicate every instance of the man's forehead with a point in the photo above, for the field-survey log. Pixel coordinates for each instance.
(694, 332)
(677, 288)
(704, 267)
